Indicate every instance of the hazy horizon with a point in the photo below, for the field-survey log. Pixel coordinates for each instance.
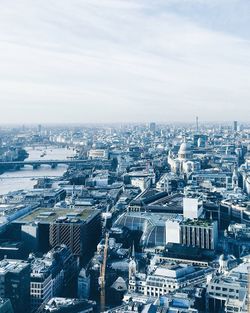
(121, 61)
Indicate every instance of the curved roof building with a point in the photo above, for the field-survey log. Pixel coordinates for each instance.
(152, 226)
(185, 152)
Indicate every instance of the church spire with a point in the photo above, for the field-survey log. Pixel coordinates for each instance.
(133, 251)
(132, 264)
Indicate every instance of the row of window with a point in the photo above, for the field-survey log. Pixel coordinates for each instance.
(224, 289)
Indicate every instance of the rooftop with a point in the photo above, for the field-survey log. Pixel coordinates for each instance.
(11, 265)
(68, 305)
(198, 222)
(175, 271)
(50, 215)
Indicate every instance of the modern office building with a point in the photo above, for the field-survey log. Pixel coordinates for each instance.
(192, 207)
(173, 230)
(236, 210)
(83, 288)
(151, 225)
(199, 233)
(228, 290)
(15, 283)
(167, 278)
(9, 212)
(51, 275)
(78, 229)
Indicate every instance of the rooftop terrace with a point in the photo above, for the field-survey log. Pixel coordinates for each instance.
(198, 222)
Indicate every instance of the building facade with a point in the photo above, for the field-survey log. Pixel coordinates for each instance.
(199, 233)
(15, 284)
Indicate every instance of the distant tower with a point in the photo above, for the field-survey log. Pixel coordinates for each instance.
(132, 270)
(152, 127)
(235, 126)
(197, 124)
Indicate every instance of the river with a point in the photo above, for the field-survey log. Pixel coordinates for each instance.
(25, 178)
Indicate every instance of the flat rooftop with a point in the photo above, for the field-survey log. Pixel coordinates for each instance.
(50, 215)
(69, 305)
(12, 265)
(198, 222)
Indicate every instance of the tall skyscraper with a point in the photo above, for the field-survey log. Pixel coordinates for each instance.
(235, 126)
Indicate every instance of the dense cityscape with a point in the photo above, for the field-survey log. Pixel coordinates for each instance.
(125, 218)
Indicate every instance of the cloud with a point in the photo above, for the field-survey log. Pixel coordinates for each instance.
(121, 60)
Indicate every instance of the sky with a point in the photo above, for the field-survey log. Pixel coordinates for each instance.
(91, 61)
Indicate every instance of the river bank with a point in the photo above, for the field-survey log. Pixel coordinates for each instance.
(26, 177)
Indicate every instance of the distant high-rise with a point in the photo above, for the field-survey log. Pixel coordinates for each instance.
(197, 124)
(39, 128)
(235, 126)
(152, 127)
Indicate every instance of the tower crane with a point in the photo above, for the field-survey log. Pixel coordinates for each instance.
(103, 274)
(248, 289)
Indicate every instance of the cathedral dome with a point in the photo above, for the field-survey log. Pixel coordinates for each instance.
(185, 147)
(185, 151)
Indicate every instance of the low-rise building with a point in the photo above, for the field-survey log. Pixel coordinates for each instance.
(228, 289)
(168, 277)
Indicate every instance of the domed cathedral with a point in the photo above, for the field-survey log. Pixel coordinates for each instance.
(183, 161)
(185, 152)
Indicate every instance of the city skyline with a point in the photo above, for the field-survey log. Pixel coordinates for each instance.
(126, 61)
(125, 218)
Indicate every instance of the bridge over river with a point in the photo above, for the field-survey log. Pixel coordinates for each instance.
(53, 163)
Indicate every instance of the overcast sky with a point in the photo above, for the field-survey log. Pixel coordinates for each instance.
(120, 60)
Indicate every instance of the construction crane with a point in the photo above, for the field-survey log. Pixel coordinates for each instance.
(248, 289)
(103, 274)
